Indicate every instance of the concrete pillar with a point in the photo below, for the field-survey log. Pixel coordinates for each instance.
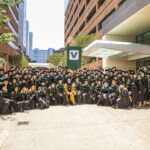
(119, 64)
(6, 64)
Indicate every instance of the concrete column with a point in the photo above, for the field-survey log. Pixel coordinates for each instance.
(119, 64)
(6, 64)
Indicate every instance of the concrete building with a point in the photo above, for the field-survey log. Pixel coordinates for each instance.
(22, 26)
(12, 48)
(60, 51)
(122, 26)
(27, 38)
(30, 44)
(41, 56)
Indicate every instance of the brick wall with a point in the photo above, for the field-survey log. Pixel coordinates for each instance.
(101, 13)
(6, 49)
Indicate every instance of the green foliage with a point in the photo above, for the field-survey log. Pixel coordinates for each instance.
(6, 37)
(58, 59)
(19, 61)
(84, 41)
(2, 60)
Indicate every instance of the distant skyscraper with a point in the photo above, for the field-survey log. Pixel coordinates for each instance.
(22, 25)
(41, 56)
(66, 4)
(27, 38)
(30, 44)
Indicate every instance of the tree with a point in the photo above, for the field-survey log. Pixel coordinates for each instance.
(84, 41)
(2, 60)
(6, 37)
(58, 60)
(19, 61)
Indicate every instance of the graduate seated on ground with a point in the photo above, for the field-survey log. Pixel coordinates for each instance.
(52, 94)
(70, 91)
(123, 98)
(104, 99)
(78, 86)
(25, 98)
(93, 99)
(33, 97)
(86, 92)
(61, 96)
(114, 94)
(6, 102)
(43, 101)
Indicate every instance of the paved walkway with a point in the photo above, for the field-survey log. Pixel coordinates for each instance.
(85, 127)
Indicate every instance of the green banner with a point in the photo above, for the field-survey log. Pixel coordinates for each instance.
(74, 54)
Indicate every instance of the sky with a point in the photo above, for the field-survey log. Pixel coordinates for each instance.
(46, 19)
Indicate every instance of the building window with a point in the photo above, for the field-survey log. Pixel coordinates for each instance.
(87, 2)
(93, 31)
(75, 9)
(75, 22)
(76, 33)
(71, 18)
(71, 7)
(91, 14)
(12, 29)
(99, 26)
(143, 38)
(71, 29)
(82, 26)
(100, 2)
(82, 11)
(13, 14)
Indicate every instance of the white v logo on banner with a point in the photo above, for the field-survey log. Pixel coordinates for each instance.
(73, 55)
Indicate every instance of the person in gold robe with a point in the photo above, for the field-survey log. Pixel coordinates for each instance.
(70, 91)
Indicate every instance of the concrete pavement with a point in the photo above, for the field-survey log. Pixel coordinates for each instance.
(85, 127)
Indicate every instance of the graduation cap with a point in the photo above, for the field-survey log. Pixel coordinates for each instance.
(6, 72)
(33, 74)
(16, 86)
(25, 74)
(60, 79)
(69, 78)
(25, 86)
(14, 78)
(92, 82)
(52, 69)
(33, 85)
(76, 77)
(6, 80)
(106, 82)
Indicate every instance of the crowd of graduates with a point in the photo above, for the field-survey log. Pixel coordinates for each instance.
(30, 88)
